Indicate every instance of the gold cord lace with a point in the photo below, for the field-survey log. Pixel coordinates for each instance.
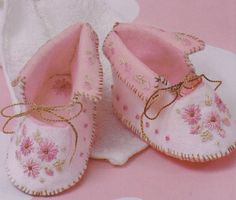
(188, 83)
(42, 110)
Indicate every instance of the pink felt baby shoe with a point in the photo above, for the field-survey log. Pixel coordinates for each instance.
(59, 88)
(158, 95)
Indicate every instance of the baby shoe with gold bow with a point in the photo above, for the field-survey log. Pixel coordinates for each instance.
(59, 88)
(158, 95)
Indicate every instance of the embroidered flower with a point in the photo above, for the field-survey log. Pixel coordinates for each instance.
(31, 168)
(59, 165)
(195, 130)
(26, 146)
(213, 121)
(191, 114)
(222, 133)
(206, 136)
(47, 151)
(48, 171)
(62, 86)
(226, 122)
(221, 106)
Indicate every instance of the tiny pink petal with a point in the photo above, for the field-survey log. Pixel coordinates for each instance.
(226, 122)
(220, 104)
(213, 121)
(31, 168)
(195, 129)
(49, 172)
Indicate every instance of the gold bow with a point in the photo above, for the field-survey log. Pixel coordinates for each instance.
(42, 110)
(190, 82)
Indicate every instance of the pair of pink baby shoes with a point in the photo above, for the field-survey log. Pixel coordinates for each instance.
(156, 93)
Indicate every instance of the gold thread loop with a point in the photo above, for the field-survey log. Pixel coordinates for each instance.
(41, 110)
(188, 83)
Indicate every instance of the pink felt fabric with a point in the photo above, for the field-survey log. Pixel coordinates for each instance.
(150, 175)
(197, 126)
(211, 20)
(51, 144)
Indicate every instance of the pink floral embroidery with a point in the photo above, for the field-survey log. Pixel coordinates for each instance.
(192, 114)
(62, 86)
(220, 105)
(226, 122)
(48, 171)
(195, 129)
(31, 168)
(47, 151)
(222, 133)
(213, 121)
(26, 146)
